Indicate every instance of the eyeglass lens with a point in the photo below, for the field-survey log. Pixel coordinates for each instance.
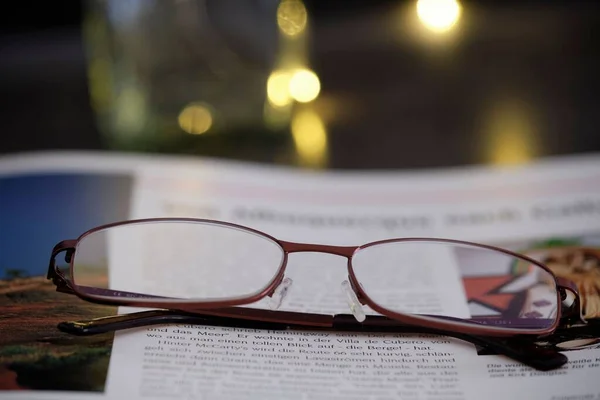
(204, 261)
(472, 284)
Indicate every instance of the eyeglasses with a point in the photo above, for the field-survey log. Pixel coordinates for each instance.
(209, 271)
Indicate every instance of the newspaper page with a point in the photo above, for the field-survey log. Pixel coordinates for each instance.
(534, 209)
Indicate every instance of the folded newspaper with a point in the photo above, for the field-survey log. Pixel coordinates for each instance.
(549, 210)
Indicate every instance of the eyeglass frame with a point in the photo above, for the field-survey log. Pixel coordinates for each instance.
(228, 309)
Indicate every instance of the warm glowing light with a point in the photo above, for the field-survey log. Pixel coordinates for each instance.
(195, 118)
(291, 17)
(511, 134)
(304, 86)
(438, 15)
(278, 91)
(310, 138)
(511, 149)
(301, 85)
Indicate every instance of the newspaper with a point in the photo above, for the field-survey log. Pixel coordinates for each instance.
(554, 203)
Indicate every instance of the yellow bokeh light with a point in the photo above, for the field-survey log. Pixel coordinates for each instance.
(310, 138)
(511, 149)
(511, 133)
(438, 15)
(291, 17)
(301, 85)
(304, 86)
(195, 118)
(278, 91)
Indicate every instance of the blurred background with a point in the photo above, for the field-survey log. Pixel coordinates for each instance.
(310, 83)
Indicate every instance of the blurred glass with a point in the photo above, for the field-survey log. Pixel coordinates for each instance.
(352, 84)
(212, 77)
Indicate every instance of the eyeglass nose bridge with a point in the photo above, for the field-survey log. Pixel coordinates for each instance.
(293, 247)
(353, 295)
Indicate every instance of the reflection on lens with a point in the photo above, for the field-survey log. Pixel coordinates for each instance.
(179, 260)
(464, 283)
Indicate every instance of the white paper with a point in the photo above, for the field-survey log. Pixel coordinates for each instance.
(555, 198)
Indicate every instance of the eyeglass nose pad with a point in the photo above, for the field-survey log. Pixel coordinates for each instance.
(353, 302)
(280, 293)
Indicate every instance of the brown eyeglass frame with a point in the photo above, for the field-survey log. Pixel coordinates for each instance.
(226, 310)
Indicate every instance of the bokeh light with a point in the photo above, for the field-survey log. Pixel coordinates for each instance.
(511, 148)
(278, 91)
(291, 17)
(195, 118)
(310, 138)
(304, 86)
(301, 85)
(510, 133)
(438, 15)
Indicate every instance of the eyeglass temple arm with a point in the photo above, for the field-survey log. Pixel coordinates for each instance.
(520, 349)
(63, 283)
(57, 277)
